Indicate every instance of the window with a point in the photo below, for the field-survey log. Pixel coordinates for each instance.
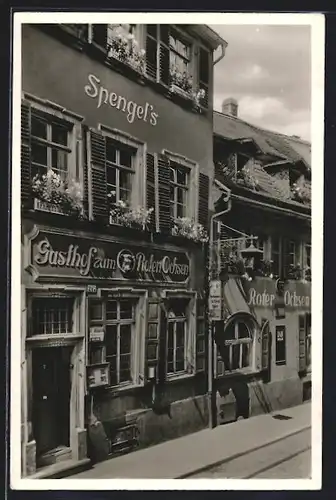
(177, 336)
(179, 61)
(291, 253)
(119, 170)
(307, 261)
(105, 34)
(52, 316)
(50, 145)
(275, 255)
(120, 320)
(179, 183)
(236, 348)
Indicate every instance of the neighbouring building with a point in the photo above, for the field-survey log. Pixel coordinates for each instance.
(116, 164)
(263, 343)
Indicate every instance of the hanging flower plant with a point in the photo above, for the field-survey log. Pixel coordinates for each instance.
(265, 268)
(246, 178)
(301, 191)
(123, 215)
(294, 272)
(181, 79)
(124, 47)
(53, 190)
(188, 228)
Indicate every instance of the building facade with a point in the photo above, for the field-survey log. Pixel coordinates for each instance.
(262, 357)
(116, 164)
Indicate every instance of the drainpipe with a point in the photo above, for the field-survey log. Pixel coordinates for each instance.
(222, 54)
(210, 322)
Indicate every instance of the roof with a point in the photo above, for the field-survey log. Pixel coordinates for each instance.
(208, 35)
(272, 144)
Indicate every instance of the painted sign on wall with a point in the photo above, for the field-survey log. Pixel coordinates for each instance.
(133, 110)
(263, 293)
(63, 255)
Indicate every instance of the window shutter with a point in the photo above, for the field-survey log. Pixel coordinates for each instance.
(203, 199)
(85, 172)
(151, 188)
(153, 334)
(165, 221)
(265, 342)
(98, 177)
(26, 197)
(302, 344)
(151, 50)
(204, 74)
(162, 369)
(164, 76)
(200, 336)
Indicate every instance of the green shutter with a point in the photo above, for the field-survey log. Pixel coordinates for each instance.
(164, 74)
(98, 177)
(26, 194)
(151, 50)
(204, 75)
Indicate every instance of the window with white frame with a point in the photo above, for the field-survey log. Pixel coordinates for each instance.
(180, 61)
(120, 319)
(50, 316)
(177, 331)
(120, 169)
(234, 346)
(51, 145)
(179, 187)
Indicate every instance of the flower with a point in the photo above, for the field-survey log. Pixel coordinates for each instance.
(186, 227)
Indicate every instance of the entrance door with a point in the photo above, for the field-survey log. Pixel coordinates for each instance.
(51, 398)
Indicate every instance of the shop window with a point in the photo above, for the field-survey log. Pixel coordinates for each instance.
(52, 316)
(120, 169)
(179, 185)
(117, 317)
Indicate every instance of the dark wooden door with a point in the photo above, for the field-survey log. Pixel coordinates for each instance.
(51, 397)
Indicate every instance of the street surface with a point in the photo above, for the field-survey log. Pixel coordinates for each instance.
(289, 458)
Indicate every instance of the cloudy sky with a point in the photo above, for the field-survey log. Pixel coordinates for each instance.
(267, 69)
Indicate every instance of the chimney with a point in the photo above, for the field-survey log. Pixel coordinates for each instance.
(230, 107)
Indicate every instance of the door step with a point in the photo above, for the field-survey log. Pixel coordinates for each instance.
(59, 454)
(62, 469)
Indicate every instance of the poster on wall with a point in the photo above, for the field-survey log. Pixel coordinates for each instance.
(280, 345)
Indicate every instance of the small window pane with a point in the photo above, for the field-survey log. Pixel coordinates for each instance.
(235, 356)
(152, 330)
(111, 151)
(170, 335)
(181, 177)
(39, 154)
(126, 158)
(111, 173)
(111, 340)
(59, 134)
(180, 334)
(246, 355)
(125, 339)
(59, 161)
(111, 310)
(126, 309)
(38, 127)
(243, 331)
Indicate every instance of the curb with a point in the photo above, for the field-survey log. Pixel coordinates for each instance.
(240, 454)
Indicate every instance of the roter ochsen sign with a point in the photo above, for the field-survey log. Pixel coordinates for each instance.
(61, 255)
(296, 294)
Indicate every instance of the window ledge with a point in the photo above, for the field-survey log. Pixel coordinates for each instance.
(250, 372)
(182, 376)
(120, 390)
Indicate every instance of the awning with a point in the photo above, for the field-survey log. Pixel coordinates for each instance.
(234, 298)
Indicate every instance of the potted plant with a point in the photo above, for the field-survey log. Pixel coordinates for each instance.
(137, 218)
(125, 48)
(54, 194)
(301, 191)
(188, 228)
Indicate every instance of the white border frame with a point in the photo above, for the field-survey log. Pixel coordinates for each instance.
(317, 24)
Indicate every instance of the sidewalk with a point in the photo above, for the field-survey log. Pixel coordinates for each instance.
(180, 457)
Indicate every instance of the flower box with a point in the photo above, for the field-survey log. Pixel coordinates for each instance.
(44, 206)
(179, 91)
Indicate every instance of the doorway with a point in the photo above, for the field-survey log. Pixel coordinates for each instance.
(51, 398)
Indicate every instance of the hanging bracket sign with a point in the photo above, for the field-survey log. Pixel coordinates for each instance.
(215, 300)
